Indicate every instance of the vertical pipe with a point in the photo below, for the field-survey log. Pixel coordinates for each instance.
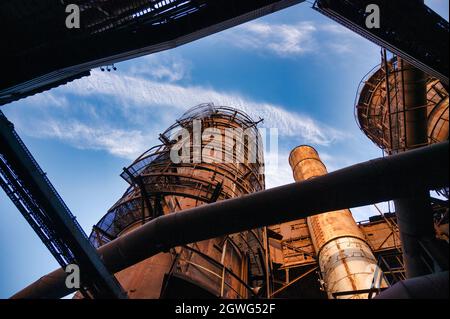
(388, 98)
(345, 259)
(414, 214)
(222, 261)
(266, 261)
(415, 99)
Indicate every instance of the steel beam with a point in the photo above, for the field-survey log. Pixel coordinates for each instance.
(50, 218)
(43, 53)
(408, 28)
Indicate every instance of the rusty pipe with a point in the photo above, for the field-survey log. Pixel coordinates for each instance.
(345, 259)
(354, 186)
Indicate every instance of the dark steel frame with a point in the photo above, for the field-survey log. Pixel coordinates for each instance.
(31, 191)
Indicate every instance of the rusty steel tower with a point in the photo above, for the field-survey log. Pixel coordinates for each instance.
(209, 170)
(383, 111)
(400, 108)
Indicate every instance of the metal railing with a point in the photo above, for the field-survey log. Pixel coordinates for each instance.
(216, 269)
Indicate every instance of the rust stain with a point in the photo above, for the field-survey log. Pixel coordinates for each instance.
(347, 269)
(328, 227)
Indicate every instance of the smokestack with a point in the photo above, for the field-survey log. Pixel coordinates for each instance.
(346, 261)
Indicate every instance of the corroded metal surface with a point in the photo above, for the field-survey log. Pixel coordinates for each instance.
(382, 234)
(295, 247)
(400, 108)
(348, 265)
(159, 186)
(358, 185)
(305, 163)
(384, 120)
(346, 261)
(327, 227)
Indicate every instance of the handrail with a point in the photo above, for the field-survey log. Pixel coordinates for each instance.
(216, 263)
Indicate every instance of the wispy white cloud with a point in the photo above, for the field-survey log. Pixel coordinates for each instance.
(282, 39)
(290, 40)
(47, 98)
(139, 93)
(97, 112)
(162, 67)
(109, 104)
(122, 143)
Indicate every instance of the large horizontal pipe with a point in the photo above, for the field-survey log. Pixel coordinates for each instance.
(434, 286)
(354, 186)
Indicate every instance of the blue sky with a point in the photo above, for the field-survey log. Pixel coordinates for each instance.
(296, 69)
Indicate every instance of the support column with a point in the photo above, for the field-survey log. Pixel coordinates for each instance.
(414, 214)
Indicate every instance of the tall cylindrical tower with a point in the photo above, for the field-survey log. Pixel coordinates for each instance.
(383, 112)
(346, 261)
(211, 153)
(400, 108)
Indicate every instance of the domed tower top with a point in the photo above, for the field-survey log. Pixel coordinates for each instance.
(380, 107)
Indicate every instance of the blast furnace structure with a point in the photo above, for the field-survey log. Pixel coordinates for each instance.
(229, 267)
(400, 108)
